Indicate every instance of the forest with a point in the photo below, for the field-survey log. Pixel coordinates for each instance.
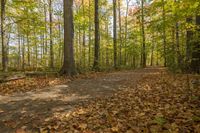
(95, 66)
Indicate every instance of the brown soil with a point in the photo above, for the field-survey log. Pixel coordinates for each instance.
(31, 108)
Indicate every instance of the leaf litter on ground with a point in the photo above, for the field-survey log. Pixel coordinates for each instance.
(161, 103)
(39, 82)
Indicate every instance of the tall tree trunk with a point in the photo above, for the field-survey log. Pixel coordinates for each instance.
(41, 47)
(178, 45)
(51, 36)
(19, 49)
(143, 36)
(195, 64)
(173, 45)
(189, 37)
(120, 32)
(157, 59)
(80, 46)
(107, 33)
(84, 55)
(90, 30)
(23, 53)
(68, 67)
(77, 56)
(45, 31)
(126, 31)
(152, 50)
(97, 39)
(164, 32)
(36, 51)
(28, 46)
(179, 58)
(3, 38)
(60, 41)
(115, 33)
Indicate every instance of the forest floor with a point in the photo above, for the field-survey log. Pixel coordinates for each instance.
(144, 100)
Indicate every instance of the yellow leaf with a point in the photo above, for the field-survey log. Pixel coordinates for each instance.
(115, 129)
(83, 126)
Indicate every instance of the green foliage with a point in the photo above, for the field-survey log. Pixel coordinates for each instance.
(28, 25)
(196, 118)
(160, 120)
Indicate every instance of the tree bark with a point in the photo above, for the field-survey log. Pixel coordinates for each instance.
(189, 37)
(126, 31)
(178, 45)
(68, 67)
(51, 39)
(164, 33)
(3, 39)
(28, 47)
(45, 31)
(195, 64)
(143, 37)
(107, 33)
(19, 49)
(120, 32)
(115, 33)
(90, 30)
(152, 50)
(179, 58)
(60, 41)
(97, 39)
(23, 53)
(84, 38)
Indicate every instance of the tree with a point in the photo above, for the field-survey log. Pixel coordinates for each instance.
(120, 32)
(68, 67)
(189, 37)
(143, 36)
(3, 39)
(143, 32)
(164, 33)
(90, 29)
(51, 39)
(195, 64)
(126, 31)
(179, 58)
(115, 33)
(97, 41)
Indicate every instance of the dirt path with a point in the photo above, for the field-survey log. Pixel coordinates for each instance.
(29, 109)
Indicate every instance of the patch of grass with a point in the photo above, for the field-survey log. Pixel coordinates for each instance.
(194, 97)
(160, 120)
(196, 118)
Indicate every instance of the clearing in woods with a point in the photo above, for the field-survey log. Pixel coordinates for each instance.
(49, 109)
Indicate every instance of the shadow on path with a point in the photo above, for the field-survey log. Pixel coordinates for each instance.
(32, 108)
